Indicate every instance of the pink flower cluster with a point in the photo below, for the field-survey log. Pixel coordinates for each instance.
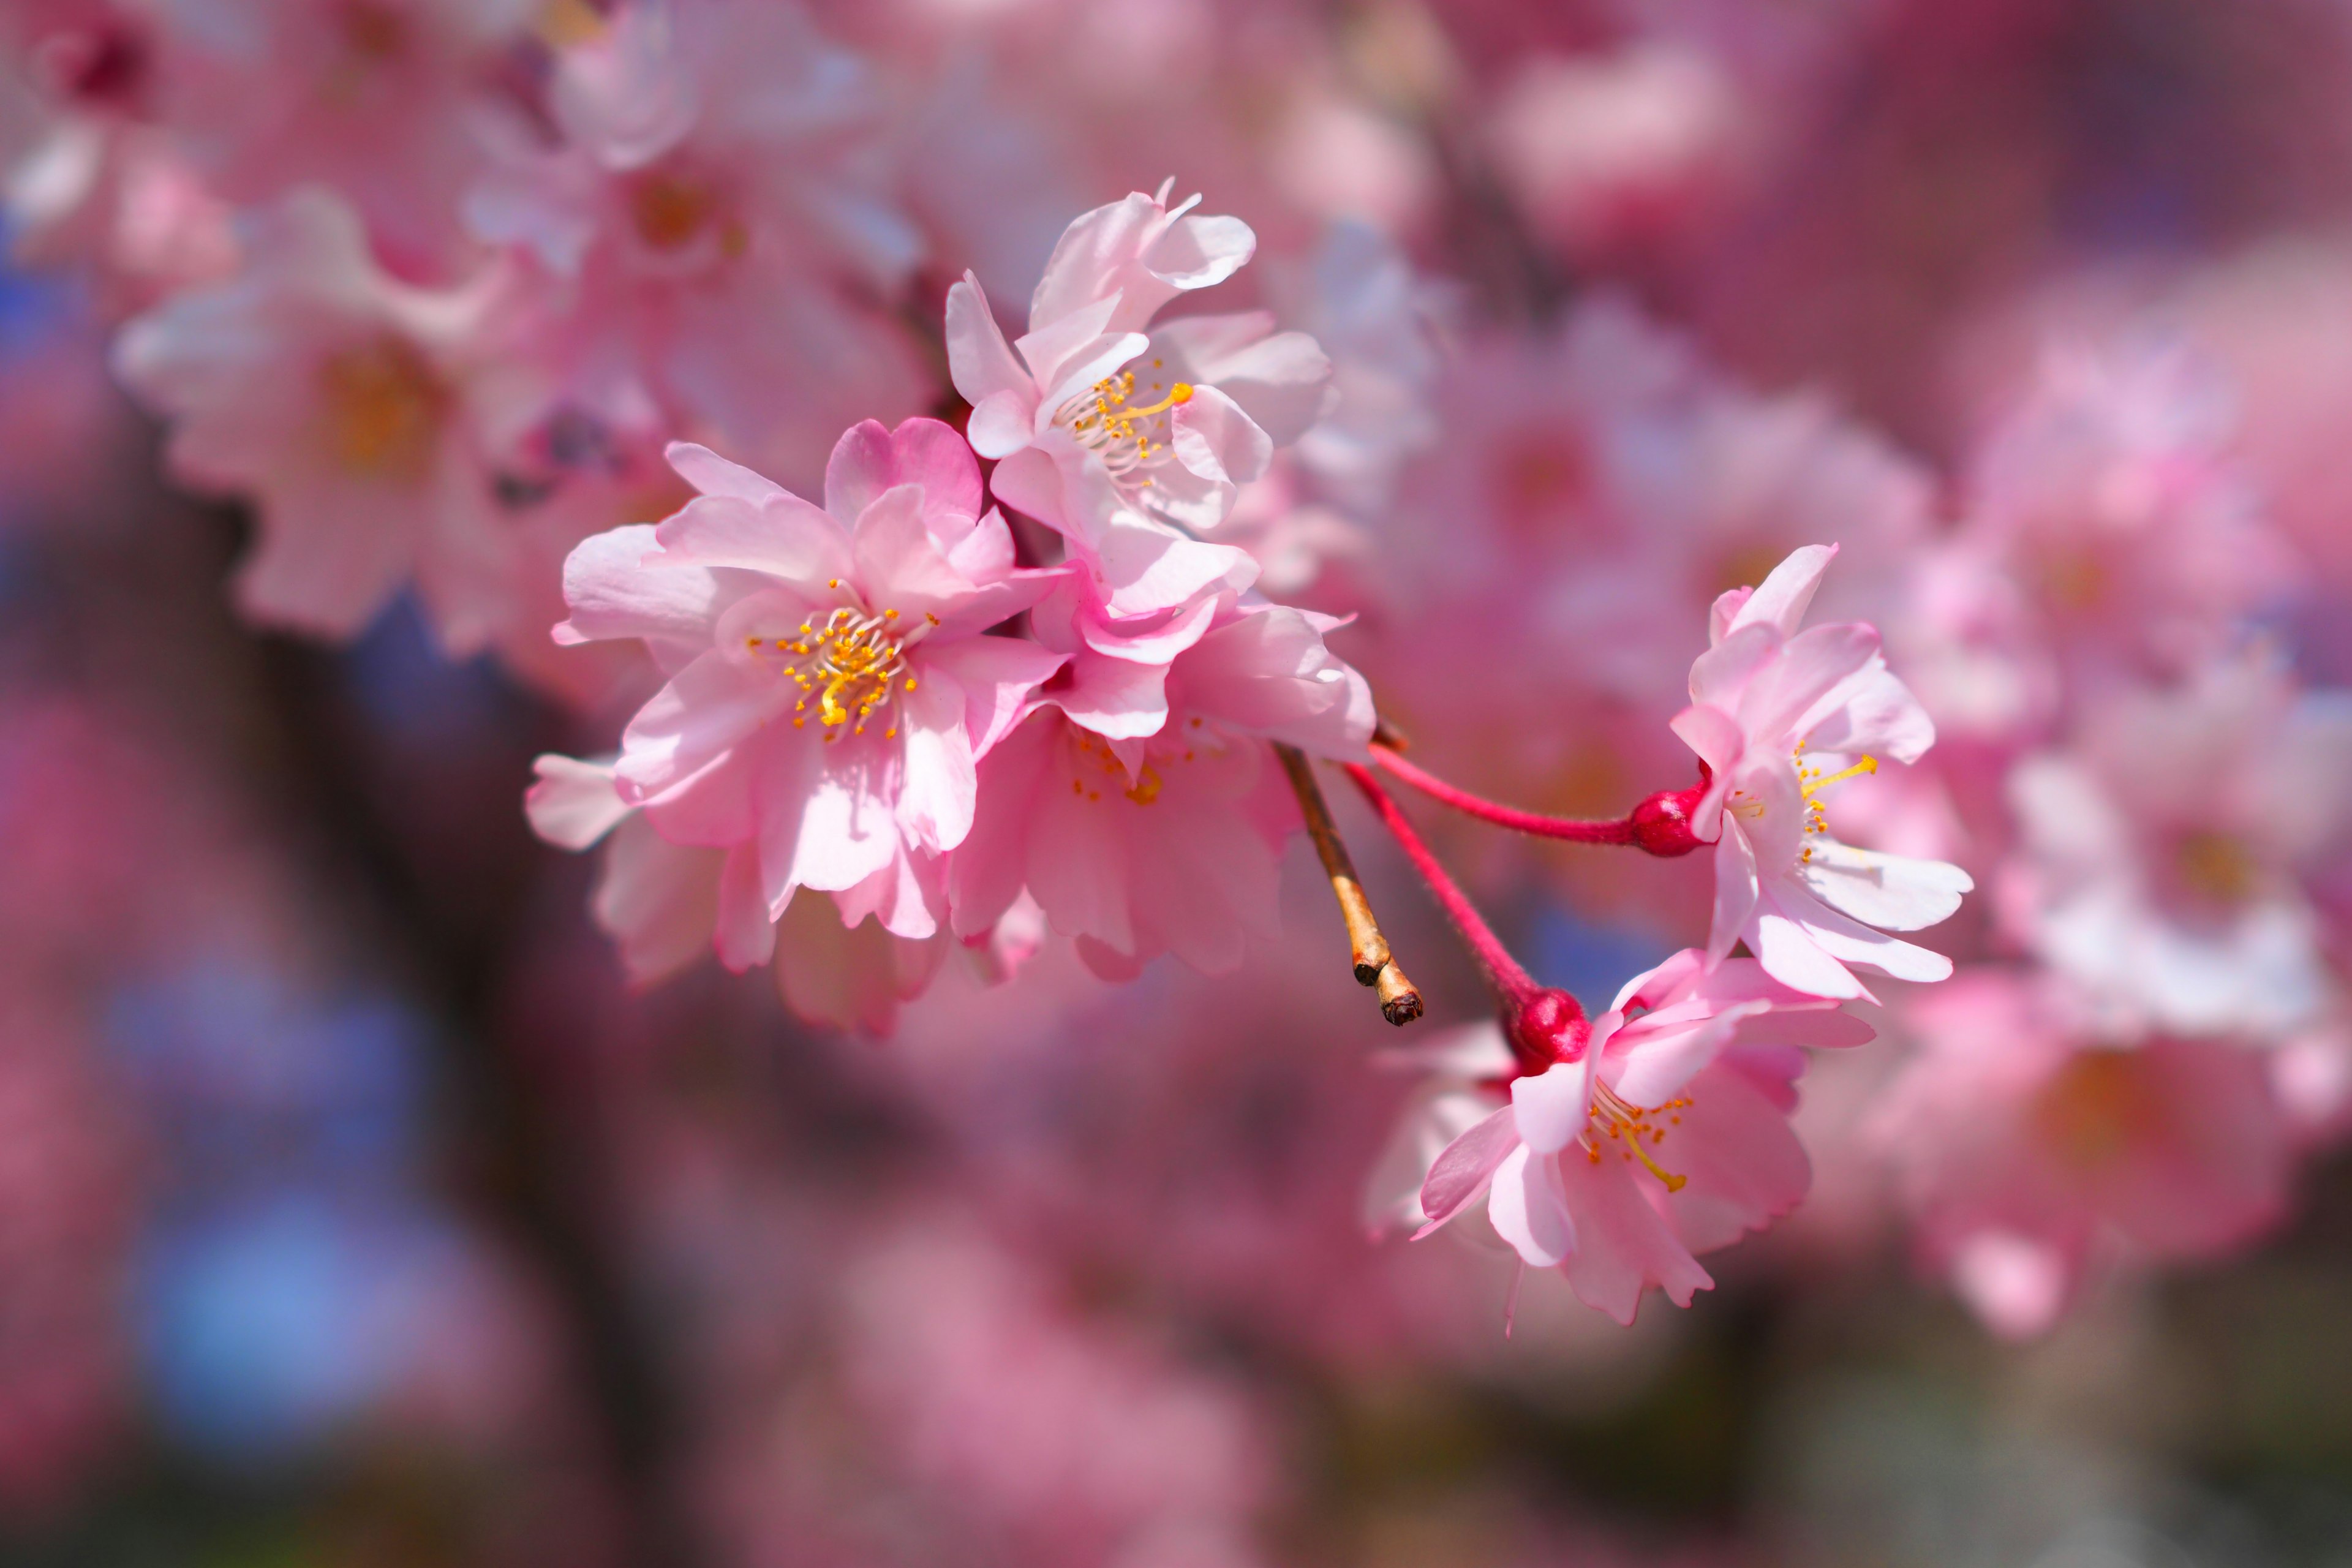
(643, 346)
(873, 700)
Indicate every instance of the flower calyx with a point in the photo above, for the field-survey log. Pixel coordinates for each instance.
(1545, 1027)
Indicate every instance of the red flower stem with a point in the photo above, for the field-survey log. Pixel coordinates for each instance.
(1515, 985)
(1607, 830)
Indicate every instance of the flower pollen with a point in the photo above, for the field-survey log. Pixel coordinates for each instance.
(1629, 1125)
(848, 665)
(1105, 421)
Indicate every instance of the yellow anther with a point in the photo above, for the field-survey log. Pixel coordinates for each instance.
(1814, 786)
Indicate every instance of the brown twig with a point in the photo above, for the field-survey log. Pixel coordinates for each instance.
(1375, 965)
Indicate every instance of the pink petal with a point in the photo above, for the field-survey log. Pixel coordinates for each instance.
(1782, 600)
(1737, 890)
(1552, 1106)
(999, 676)
(980, 361)
(869, 459)
(786, 539)
(1851, 941)
(1529, 1209)
(1462, 1169)
(746, 933)
(939, 784)
(713, 475)
(659, 902)
(1892, 892)
(614, 594)
(1810, 666)
(574, 804)
(1625, 1245)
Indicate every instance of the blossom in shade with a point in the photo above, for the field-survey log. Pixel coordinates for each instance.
(831, 686)
(1779, 717)
(1122, 437)
(2165, 851)
(1664, 1135)
(661, 904)
(2030, 1152)
(357, 411)
(1167, 841)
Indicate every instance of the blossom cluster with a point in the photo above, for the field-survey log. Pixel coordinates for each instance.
(649, 349)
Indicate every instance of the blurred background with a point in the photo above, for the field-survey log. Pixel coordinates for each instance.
(356, 1210)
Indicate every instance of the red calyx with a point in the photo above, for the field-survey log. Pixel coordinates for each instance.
(1545, 1029)
(1662, 823)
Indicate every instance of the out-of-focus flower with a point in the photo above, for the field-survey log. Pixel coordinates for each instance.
(1167, 841)
(2027, 1148)
(1778, 716)
(713, 231)
(2163, 850)
(1072, 1441)
(267, 95)
(1607, 152)
(1576, 1166)
(360, 416)
(2109, 499)
(1119, 438)
(87, 177)
(831, 689)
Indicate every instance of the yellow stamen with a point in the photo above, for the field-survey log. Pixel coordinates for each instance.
(1814, 785)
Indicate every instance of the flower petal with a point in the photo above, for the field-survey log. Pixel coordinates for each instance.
(1529, 1209)
(1459, 1172)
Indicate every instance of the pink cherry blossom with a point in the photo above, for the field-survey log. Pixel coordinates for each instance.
(1166, 841)
(662, 905)
(2110, 499)
(2165, 850)
(267, 95)
(1778, 716)
(714, 210)
(360, 416)
(1607, 152)
(1666, 1135)
(84, 174)
(1122, 439)
(2027, 1149)
(831, 687)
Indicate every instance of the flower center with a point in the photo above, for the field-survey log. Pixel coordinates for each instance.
(2097, 1109)
(1127, 436)
(1809, 783)
(2216, 866)
(1611, 1117)
(1091, 756)
(849, 664)
(384, 407)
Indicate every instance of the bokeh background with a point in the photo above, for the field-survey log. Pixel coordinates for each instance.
(355, 1210)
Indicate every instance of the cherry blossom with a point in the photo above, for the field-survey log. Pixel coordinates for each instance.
(662, 905)
(1779, 717)
(714, 208)
(362, 415)
(1665, 1135)
(269, 95)
(2164, 850)
(2030, 1150)
(1166, 841)
(1122, 439)
(830, 685)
